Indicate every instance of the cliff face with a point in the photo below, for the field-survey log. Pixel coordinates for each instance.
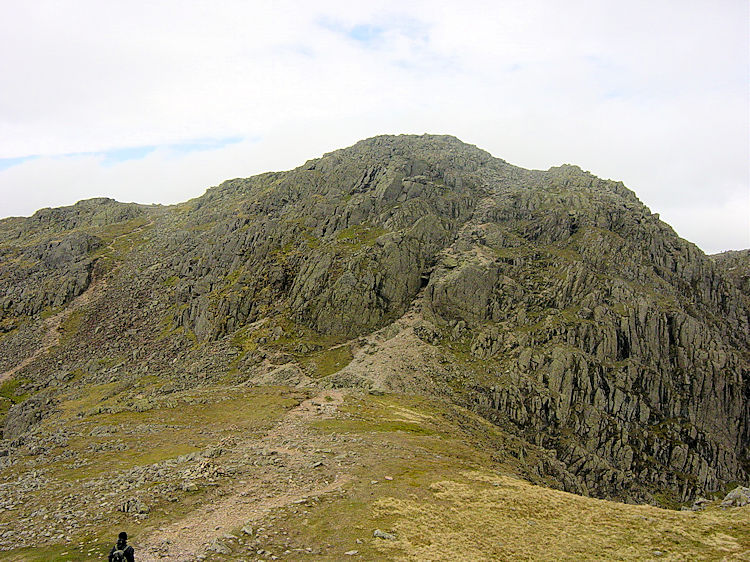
(735, 264)
(617, 344)
(554, 303)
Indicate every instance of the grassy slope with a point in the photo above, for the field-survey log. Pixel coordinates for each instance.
(176, 425)
(413, 467)
(418, 478)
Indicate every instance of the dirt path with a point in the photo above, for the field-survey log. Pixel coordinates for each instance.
(51, 326)
(250, 501)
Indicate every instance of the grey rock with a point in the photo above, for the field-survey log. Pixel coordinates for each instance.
(738, 497)
(219, 547)
(21, 417)
(377, 533)
(188, 486)
(556, 304)
(699, 504)
(134, 506)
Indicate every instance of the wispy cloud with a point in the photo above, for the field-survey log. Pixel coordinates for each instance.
(385, 30)
(121, 154)
(366, 34)
(6, 163)
(118, 155)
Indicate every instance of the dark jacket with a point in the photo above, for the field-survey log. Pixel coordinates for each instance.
(129, 552)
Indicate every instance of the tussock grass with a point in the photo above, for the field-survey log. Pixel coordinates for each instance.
(443, 501)
(483, 516)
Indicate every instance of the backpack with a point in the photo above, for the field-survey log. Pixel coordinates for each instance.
(118, 556)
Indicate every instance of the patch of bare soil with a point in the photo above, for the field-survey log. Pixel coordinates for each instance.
(291, 480)
(393, 359)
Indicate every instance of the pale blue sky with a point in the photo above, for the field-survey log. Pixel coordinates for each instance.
(155, 102)
(118, 155)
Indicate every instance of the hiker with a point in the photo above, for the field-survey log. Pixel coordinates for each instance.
(122, 552)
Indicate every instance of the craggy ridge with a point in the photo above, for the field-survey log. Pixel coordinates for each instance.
(553, 304)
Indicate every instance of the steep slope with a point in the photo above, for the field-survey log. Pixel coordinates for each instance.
(552, 303)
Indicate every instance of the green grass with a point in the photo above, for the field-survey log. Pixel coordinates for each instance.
(49, 311)
(311, 241)
(70, 326)
(120, 239)
(248, 409)
(112, 231)
(390, 413)
(11, 393)
(91, 547)
(359, 236)
(11, 390)
(327, 362)
(364, 426)
(143, 452)
(282, 334)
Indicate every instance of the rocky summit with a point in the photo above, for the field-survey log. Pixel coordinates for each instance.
(410, 303)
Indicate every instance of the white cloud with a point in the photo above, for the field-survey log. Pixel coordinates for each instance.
(732, 213)
(651, 93)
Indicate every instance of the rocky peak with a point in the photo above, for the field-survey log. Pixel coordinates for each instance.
(552, 302)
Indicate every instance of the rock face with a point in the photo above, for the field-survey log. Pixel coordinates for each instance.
(47, 259)
(569, 314)
(618, 345)
(26, 414)
(736, 265)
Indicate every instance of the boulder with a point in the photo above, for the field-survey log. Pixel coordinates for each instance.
(738, 497)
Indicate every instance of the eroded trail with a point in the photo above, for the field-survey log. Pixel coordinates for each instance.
(271, 487)
(51, 326)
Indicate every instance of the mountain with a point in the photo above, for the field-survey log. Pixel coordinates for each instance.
(547, 320)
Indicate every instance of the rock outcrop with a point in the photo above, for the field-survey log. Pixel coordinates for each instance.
(738, 497)
(47, 259)
(568, 313)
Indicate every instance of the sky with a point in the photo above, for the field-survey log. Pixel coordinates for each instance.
(156, 101)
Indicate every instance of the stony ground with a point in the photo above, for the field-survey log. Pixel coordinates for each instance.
(51, 328)
(279, 473)
(298, 468)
